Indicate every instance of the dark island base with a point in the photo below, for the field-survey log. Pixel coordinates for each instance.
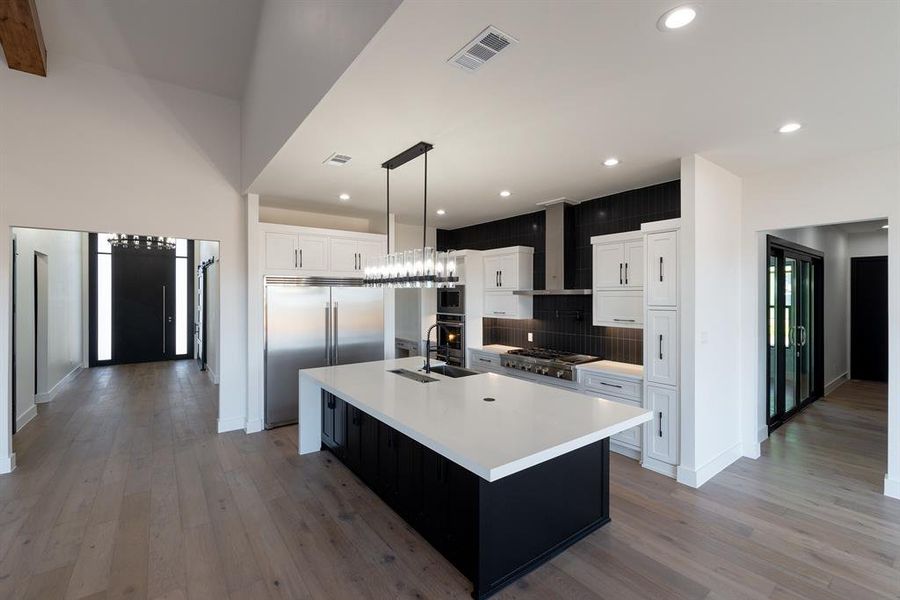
(493, 532)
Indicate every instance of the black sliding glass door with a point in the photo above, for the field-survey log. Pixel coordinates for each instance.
(794, 329)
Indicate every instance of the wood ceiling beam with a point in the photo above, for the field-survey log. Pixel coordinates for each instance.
(21, 37)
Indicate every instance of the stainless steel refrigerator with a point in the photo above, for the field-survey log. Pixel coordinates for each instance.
(315, 322)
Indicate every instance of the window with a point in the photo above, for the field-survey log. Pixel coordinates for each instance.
(181, 297)
(104, 296)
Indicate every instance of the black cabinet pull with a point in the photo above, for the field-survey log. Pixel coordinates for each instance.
(501, 278)
(620, 273)
(626, 273)
(610, 385)
(660, 423)
(660, 268)
(660, 347)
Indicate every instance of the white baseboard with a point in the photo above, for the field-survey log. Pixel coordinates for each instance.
(836, 382)
(8, 464)
(51, 394)
(624, 450)
(229, 424)
(213, 376)
(254, 426)
(751, 450)
(762, 434)
(26, 417)
(659, 467)
(891, 487)
(697, 477)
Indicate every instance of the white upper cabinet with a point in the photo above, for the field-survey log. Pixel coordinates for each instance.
(281, 251)
(662, 269)
(292, 251)
(618, 261)
(507, 269)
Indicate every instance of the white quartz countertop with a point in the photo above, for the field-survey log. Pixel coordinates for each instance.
(611, 367)
(525, 425)
(494, 348)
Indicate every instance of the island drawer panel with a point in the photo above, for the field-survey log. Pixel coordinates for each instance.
(484, 361)
(605, 384)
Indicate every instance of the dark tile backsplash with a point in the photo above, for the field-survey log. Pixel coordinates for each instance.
(564, 322)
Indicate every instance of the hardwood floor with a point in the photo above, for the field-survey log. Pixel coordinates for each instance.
(124, 490)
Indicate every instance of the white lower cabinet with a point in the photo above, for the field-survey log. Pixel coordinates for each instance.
(661, 441)
(661, 337)
(485, 362)
(616, 389)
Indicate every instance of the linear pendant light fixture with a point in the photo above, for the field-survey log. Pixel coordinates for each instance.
(423, 267)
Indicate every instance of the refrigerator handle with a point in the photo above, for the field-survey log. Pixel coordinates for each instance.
(327, 334)
(334, 335)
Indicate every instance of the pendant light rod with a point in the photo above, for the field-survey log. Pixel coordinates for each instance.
(387, 214)
(425, 205)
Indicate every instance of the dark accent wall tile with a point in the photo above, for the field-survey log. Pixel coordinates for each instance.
(564, 322)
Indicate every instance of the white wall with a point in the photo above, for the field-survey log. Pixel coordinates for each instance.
(63, 330)
(302, 48)
(869, 243)
(302, 218)
(710, 319)
(100, 150)
(833, 243)
(853, 188)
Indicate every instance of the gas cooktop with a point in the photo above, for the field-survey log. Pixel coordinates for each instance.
(547, 362)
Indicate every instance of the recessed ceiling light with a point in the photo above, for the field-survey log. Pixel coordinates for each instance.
(344, 197)
(611, 161)
(676, 18)
(789, 127)
(505, 194)
(441, 211)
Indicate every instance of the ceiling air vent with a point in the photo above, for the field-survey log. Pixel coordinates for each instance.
(337, 160)
(484, 47)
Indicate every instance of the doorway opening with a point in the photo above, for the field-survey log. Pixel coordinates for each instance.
(41, 324)
(869, 318)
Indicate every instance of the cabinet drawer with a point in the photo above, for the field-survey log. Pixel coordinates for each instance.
(606, 385)
(484, 361)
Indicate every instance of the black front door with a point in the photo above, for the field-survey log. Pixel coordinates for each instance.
(143, 304)
(869, 318)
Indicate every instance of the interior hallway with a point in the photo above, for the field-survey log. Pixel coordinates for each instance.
(123, 489)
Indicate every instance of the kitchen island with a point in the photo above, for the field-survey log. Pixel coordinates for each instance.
(498, 474)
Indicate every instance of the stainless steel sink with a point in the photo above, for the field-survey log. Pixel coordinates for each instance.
(413, 375)
(451, 371)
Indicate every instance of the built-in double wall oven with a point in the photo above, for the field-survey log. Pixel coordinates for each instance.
(451, 317)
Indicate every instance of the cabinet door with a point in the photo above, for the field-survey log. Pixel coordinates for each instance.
(344, 255)
(661, 433)
(340, 427)
(409, 478)
(492, 267)
(509, 271)
(352, 447)
(609, 266)
(281, 251)
(634, 264)
(368, 450)
(662, 346)
(387, 460)
(312, 253)
(368, 250)
(434, 499)
(502, 305)
(662, 269)
(618, 308)
(328, 404)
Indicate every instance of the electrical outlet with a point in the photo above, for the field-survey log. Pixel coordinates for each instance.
(530, 337)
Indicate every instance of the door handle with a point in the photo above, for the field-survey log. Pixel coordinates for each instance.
(327, 334)
(660, 268)
(626, 273)
(620, 273)
(660, 423)
(164, 318)
(334, 335)
(660, 347)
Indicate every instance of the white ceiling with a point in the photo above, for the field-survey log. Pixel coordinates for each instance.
(589, 80)
(200, 44)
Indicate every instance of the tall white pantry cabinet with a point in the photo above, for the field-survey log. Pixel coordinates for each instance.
(661, 345)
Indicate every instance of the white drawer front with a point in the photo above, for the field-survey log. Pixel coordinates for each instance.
(603, 384)
(484, 361)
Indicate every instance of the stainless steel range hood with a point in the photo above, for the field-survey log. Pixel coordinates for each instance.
(555, 253)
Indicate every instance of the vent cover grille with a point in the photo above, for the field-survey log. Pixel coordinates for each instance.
(337, 160)
(484, 47)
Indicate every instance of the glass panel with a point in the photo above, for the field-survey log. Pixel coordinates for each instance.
(772, 289)
(104, 306)
(790, 324)
(181, 298)
(181, 247)
(803, 328)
